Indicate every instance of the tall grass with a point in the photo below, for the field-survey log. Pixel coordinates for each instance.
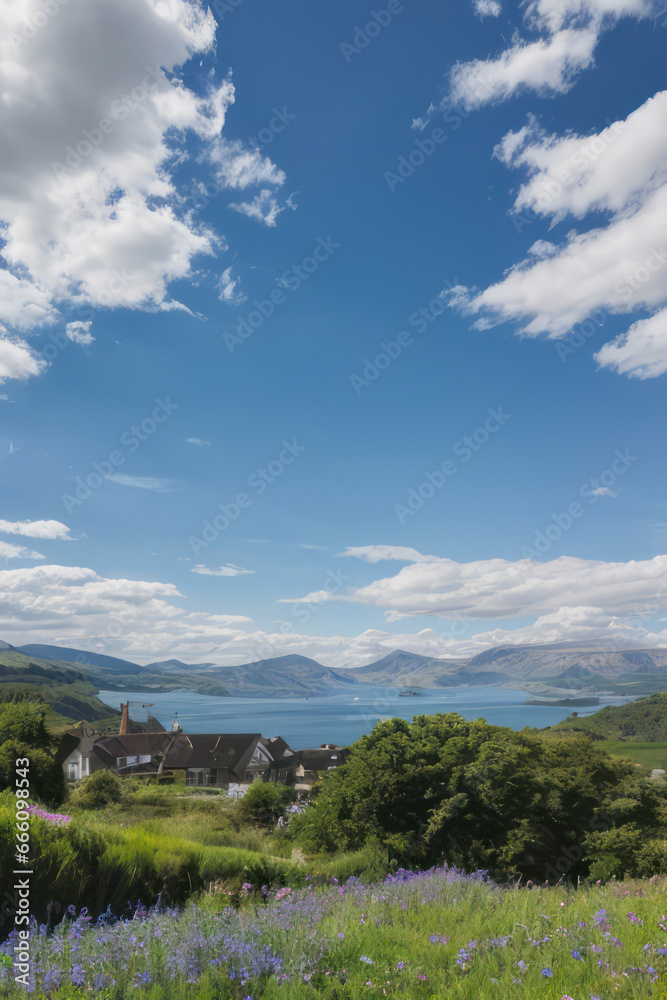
(439, 934)
(112, 856)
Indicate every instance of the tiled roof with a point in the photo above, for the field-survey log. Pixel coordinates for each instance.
(311, 760)
(132, 744)
(276, 746)
(231, 751)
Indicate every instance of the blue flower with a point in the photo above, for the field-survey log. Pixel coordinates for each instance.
(577, 955)
(547, 972)
(77, 976)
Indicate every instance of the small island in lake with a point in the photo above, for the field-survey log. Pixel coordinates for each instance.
(564, 702)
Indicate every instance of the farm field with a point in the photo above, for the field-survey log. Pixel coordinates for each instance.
(649, 755)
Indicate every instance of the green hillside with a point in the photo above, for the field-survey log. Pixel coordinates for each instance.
(641, 721)
(66, 690)
(649, 755)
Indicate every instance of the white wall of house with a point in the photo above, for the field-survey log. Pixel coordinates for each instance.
(77, 766)
(237, 791)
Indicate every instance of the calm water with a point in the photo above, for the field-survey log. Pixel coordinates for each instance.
(341, 718)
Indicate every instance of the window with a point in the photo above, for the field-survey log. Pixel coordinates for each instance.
(201, 776)
(125, 762)
(72, 772)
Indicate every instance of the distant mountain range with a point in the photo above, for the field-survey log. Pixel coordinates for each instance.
(549, 670)
(281, 676)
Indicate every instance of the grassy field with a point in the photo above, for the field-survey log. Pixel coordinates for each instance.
(649, 755)
(439, 934)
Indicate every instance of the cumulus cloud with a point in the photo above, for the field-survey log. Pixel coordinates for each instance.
(228, 570)
(79, 331)
(143, 621)
(238, 167)
(612, 170)
(264, 208)
(617, 268)
(17, 359)
(499, 588)
(52, 530)
(9, 551)
(546, 66)
(95, 121)
(229, 289)
(641, 352)
(549, 65)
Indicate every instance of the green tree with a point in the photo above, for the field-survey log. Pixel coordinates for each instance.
(23, 734)
(445, 789)
(25, 722)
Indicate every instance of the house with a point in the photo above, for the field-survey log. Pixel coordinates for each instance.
(80, 762)
(208, 760)
(302, 768)
(77, 752)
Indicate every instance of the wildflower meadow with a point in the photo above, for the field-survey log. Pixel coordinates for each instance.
(419, 935)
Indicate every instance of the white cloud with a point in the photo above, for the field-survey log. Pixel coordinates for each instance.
(551, 15)
(377, 553)
(618, 268)
(239, 167)
(9, 551)
(641, 352)
(229, 570)
(79, 331)
(612, 170)
(547, 66)
(198, 441)
(17, 359)
(487, 8)
(90, 133)
(605, 491)
(264, 208)
(498, 588)
(142, 482)
(53, 530)
(140, 621)
(229, 289)
(550, 65)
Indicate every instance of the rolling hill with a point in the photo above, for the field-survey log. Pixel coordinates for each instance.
(641, 721)
(67, 691)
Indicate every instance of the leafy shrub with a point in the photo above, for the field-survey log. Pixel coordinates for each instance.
(264, 802)
(101, 788)
(625, 851)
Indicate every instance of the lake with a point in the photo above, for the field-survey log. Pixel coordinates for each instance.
(339, 718)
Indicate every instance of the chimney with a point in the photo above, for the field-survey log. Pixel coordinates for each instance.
(123, 719)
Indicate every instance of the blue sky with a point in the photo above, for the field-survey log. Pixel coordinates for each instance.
(217, 221)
